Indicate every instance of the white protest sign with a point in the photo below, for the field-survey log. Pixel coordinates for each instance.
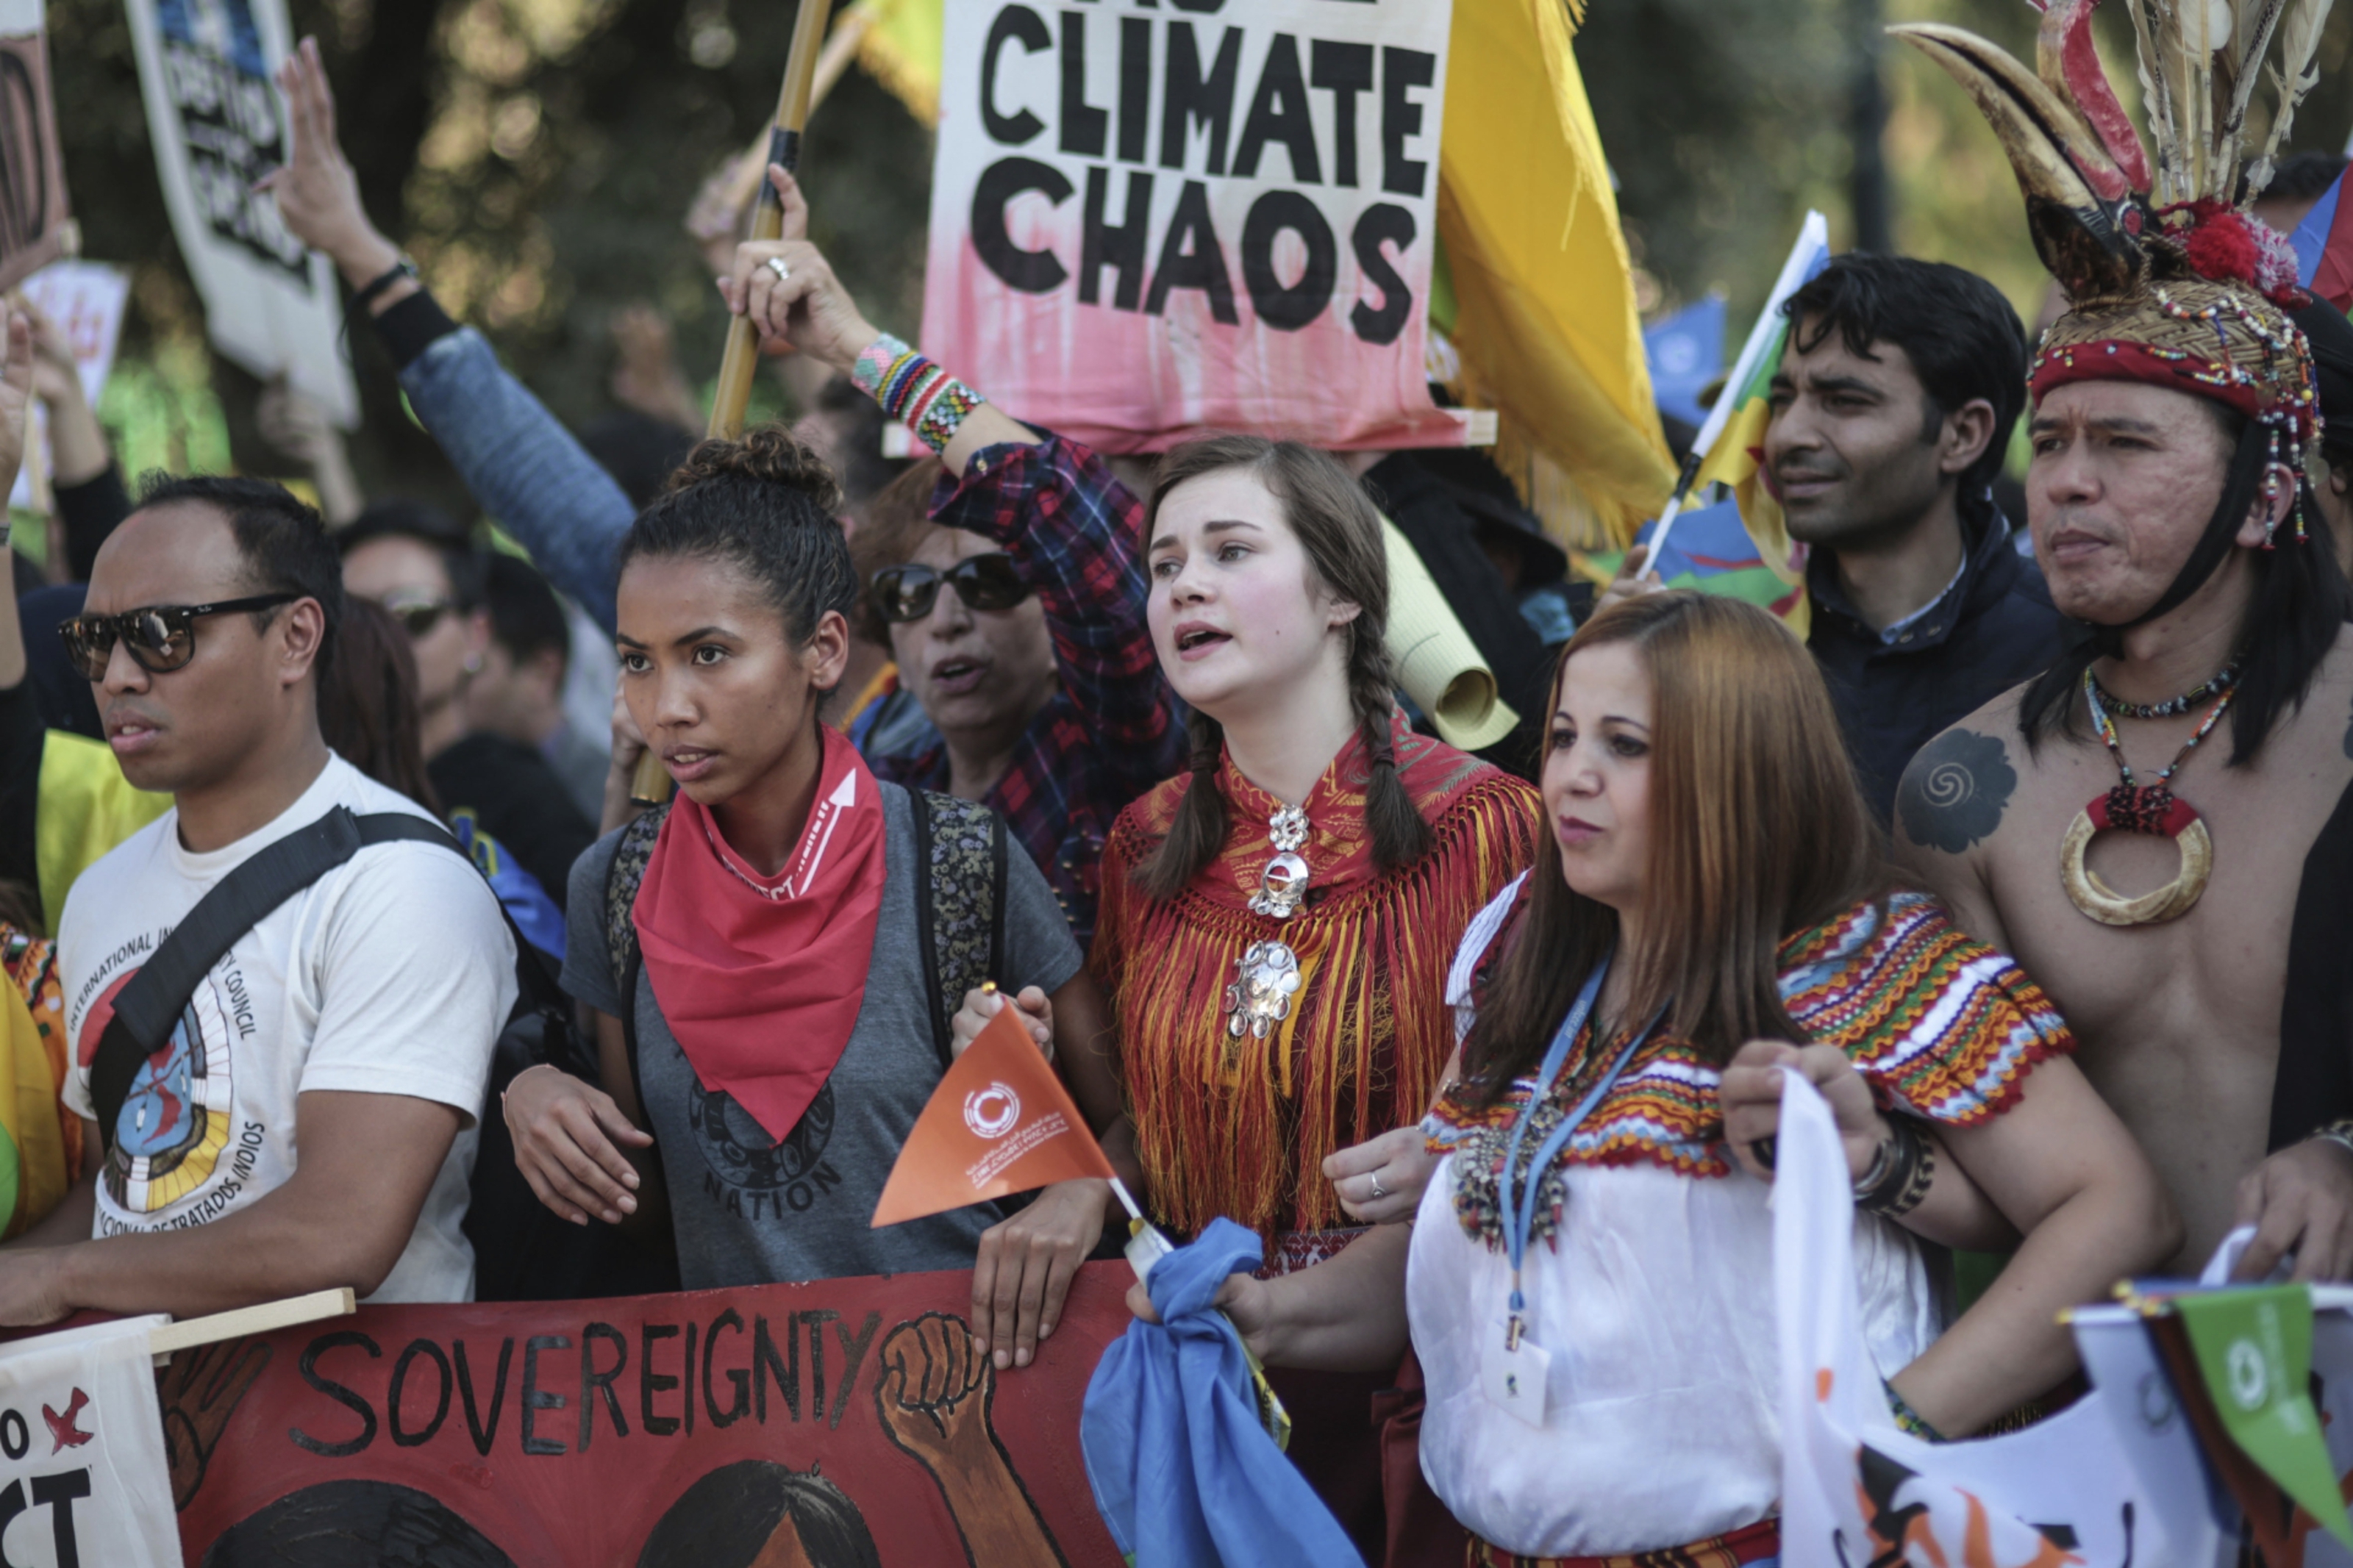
(1153, 220)
(219, 124)
(86, 299)
(83, 1478)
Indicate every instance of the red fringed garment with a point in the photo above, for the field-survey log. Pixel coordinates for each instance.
(1240, 1127)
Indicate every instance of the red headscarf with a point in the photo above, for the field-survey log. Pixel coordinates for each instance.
(760, 979)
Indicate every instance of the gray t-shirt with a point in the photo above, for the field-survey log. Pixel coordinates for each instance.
(751, 1210)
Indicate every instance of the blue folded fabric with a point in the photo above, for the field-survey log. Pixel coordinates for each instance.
(1182, 1471)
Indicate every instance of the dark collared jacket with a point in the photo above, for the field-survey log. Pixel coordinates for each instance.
(1992, 629)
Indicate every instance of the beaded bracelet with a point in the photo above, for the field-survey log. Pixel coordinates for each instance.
(1909, 1419)
(913, 389)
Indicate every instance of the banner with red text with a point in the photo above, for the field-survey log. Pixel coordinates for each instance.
(1148, 221)
(839, 1423)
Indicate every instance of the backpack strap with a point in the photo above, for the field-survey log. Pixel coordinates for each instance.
(151, 1004)
(622, 879)
(960, 868)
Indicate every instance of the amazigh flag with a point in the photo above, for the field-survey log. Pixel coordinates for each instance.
(1734, 435)
(1000, 1122)
(1711, 549)
(2324, 247)
(1729, 448)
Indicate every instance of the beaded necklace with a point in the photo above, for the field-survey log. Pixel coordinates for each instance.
(2151, 808)
(2223, 680)
(2226, 682)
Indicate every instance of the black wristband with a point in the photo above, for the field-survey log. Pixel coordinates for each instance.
(412, 326)
(403, 267)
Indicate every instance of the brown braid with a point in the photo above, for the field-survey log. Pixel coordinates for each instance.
(1401, 836)
(1198, 832)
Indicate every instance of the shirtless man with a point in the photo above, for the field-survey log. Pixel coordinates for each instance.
(2173, 431)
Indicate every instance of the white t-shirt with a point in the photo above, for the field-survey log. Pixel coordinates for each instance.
(391, 975)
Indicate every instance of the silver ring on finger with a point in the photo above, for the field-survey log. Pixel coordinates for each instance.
(1379, 1191)
(776, 265)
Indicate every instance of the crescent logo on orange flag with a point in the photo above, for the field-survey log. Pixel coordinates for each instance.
(999, 1122)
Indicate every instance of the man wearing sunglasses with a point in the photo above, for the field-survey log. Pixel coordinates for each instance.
(354, 1021)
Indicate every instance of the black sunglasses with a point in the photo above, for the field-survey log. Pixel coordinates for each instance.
(162, 637)
(988, 582)
(417, 617)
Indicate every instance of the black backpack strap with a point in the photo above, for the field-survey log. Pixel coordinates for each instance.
(960, 861)
(148, 1006)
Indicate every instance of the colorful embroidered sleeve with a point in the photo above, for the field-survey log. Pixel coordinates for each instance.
(1944, 1026)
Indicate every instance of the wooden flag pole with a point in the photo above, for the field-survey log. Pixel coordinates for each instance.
(649, 783)
(736, 371)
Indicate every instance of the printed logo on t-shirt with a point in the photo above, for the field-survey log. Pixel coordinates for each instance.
(173, 1127)
(751, 1174)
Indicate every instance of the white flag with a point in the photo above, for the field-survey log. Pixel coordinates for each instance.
(1854, 1488)
(83, 1480)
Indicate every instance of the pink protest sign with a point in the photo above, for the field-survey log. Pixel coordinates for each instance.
(1151, 221)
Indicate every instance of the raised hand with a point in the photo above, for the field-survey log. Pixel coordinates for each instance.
(318, 194)
(16, 397)
(797, 306)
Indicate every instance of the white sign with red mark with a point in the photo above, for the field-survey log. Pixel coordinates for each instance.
(83, 1476)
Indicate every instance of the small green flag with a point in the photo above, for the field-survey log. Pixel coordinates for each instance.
(2254, 1350)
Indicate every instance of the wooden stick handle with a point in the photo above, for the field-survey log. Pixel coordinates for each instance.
(743, 358)
(262, 1319)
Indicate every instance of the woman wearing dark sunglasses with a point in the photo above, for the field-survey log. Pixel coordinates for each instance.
(782, 1010)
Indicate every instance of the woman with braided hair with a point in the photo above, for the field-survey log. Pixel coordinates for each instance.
(1276, 923)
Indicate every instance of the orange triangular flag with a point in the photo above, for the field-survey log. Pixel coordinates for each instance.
(999, 1122)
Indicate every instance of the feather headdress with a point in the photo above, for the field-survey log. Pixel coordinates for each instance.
(2169, 278)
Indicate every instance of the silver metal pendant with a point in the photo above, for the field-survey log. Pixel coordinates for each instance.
(1283, 887)
(1287, 828)
(1266, 977)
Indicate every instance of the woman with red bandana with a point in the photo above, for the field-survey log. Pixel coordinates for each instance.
(768, 999)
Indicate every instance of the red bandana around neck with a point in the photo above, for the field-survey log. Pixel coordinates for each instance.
(760, 978)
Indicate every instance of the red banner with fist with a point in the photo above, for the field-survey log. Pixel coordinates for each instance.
(843, 1423)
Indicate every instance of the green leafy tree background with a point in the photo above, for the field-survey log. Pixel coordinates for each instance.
(537, 156)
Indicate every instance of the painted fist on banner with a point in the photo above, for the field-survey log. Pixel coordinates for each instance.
(199, 1392)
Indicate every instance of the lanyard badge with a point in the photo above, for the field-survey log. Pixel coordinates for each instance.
(1514, 1369)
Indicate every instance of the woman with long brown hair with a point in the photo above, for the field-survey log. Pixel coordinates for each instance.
(1716, 892)
(1276, 922)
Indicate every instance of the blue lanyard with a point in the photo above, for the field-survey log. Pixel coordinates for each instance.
(1520, 1218)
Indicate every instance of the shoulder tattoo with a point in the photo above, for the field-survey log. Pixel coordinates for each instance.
(1954, 793)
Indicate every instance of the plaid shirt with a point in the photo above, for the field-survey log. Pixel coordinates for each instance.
(1110, 732)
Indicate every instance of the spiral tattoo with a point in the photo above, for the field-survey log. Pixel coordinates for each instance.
(1954, 793)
